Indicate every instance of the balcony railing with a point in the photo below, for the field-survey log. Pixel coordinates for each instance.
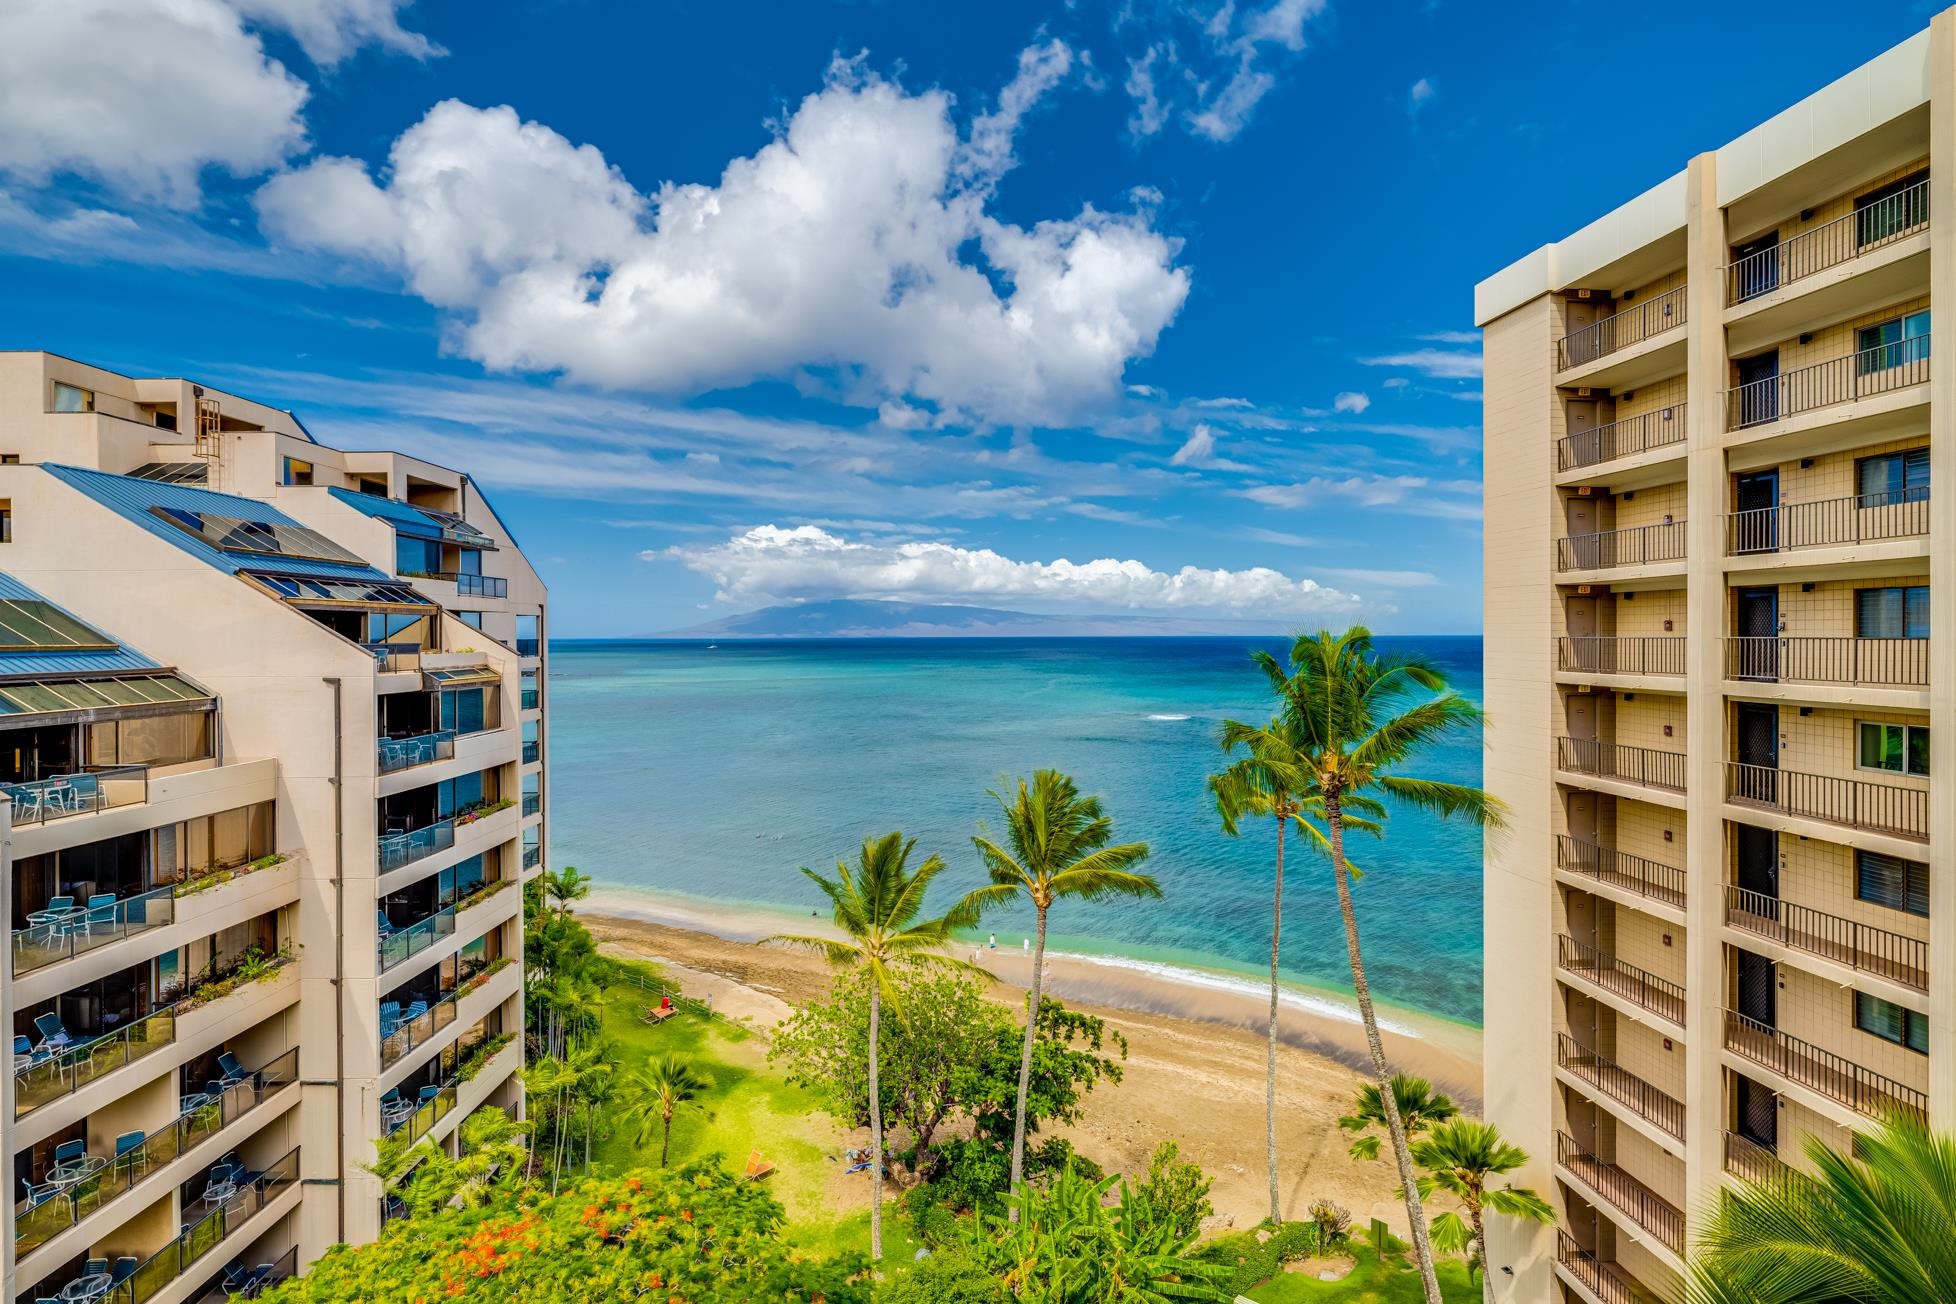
(398, 849)
(532, 750)
(529, 647)
(532, 855)
(67, 1071)
(413, 940)
(419, 749)
(1861, 662)
(1640, 987)
(532, 803)
(154, 1275)
(1882, 369)
(85, 928)
(1633, 325)
(1620, 869)
(397, 1039)
(481, 586)
(36, 1224)
(1603, 655)
(1833, 1076)
(1828, 522)
(1620, 1085)
(1623, 438)
(260, 1278)
(416, 1124)
(1756, 1163)
(62, 795)
(532, 698)
(1645, 1207)
(1855, 803)
(1641, 545)
(1605, 1281)
(1638, 765)
(1870, 227)
(1863, 947)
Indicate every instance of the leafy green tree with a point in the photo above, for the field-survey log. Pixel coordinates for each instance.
(488, 1168)
(1420, 1107)
(1460, 1156)
(699, 1234)
(1177, 1191)
(1875, 1227)
(651, 1098)
(877, 908)
(1056, 846)
(1361, 718)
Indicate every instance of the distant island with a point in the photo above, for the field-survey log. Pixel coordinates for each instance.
(866, 618)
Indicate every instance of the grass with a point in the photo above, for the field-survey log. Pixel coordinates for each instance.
(1370, 1282)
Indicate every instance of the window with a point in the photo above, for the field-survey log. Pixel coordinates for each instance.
(1892, 613)
(374, 488)
(70, 398)
(297, 472)
(164, 420)
(1892, 478)
(1891, 1022)
(529, 635)
(9, 459)
(6, 520)
(473, 619)
(1891, 209)
(414, 556)
(1897, 748)
(1892, 344)
(1891, 881)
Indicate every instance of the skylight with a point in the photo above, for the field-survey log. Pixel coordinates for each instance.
(302, 589)
(173, 472)
(41, 697)
(258, 538)
(30, 625)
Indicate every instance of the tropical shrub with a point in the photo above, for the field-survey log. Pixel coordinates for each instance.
(1245, 1260)
(946, 1277)
(1178, 1191)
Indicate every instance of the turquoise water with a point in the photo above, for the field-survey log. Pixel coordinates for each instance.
(714, 772)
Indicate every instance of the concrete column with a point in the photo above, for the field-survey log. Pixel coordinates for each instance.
(1942, 569)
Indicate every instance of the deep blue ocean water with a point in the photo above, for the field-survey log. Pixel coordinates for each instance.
(713, 773)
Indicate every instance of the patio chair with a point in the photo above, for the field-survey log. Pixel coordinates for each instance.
(757, 1167)
(101, 913)
(25, 1049)
(125, 1268)
(94, 1266)
(84, 792)
(38, 1195)
(234, 1275)
(414, 1011)
(426, 1095)
(386, 925)
(70, 1150)
(56, 908)
(233, 1071)
(54, 1034)
(129, 1150)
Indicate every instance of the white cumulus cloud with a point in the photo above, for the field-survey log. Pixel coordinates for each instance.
(771, 564)
(858, 249)
(1351, 402)
(330, 30)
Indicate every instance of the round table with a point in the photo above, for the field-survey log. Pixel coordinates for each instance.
(217, 1193)
(94, 1286)
(76, 1171)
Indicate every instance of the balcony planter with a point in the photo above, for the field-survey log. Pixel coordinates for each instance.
(489, 808)
(481, 1055)
(206, 879)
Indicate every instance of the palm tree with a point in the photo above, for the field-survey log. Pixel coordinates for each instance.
(1059, 849)
(653, 1097)
(1459, 1157)
(1420, 1107)
(1877, 1227)
(876, 907)
(1360, 717)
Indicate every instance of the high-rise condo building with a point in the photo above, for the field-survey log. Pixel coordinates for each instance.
(271, 733)
(1720, 672)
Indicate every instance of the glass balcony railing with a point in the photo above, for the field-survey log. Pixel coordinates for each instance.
(399, 1035)
(532, 855)
(251, 1282)
(155, 1274)
(61, 935)
(414, 1125)
(398, 946)
(398, 849)
(62, 795)
(532, 803)
(529, 647)
(532, 699)
(61, 1073)
(419, 749)
(532, 751)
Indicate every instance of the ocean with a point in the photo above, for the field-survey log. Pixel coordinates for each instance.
(708, 775)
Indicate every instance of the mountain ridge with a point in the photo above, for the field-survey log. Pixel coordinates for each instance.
(881, 618)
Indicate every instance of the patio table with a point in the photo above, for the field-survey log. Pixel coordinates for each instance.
(93, 1286)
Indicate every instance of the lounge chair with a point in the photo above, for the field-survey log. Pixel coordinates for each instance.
(386, 924)
(54, 1034)
(233, 1071)
(129, 1150)
(757, 1167)
(84, 792)
(414, 1011)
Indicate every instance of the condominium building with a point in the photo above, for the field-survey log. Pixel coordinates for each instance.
(271, 744)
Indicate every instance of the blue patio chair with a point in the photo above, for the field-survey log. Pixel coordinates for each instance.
(57, 909)
(414, 1011)
(84, 792)
(38, 1195)
(129, 1151)
(101, 913)
(25, 1048)
(234, 1275)
(125, 1268)
(233, 1071)
(427, 1094)
(94, 1266)
(68, 1150)
(54, 1034)
(386, 925)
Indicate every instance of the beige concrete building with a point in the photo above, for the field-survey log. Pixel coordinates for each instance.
(271, 744)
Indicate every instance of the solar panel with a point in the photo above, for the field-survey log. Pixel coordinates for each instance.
(258, 538)
(457, 529)
(30, 625)
(308, 588)
(174, 472)
(42, 697)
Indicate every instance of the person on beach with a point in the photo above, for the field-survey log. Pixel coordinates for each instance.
(994, 941)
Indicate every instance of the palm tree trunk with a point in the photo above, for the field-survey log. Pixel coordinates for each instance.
(665, 1141)
(1025, 1059)
(1402, 1153)
(1479, 1221)
(875, 1126)
(1270, 1073)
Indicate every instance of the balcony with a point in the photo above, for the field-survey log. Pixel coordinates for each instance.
(156, 1274)
(1642, 545)
(1601, 655)
(532, 855)
(1837, 1078)
(1828, 523)
(1620, 1085)
(1861, 947)
(250, 1283)
(399, 849)
(43, 800)
(1758, 1164)
(1643, 1206)
(1855, 662)
(532, 699)
(1606, 1281)
(36, 1223)
(400, 1034)
(1605, 865)
(532, 804)
(419, 749)
(532, 751)
(1867, 229)
(63, 934)
(1883, 369)
(1636, 765)
(1851, 803)
(40, 1081)
(1601, 969)
(1612, 334)
(398, 946)
(528, 647)
(466, 584)
(1626, 438)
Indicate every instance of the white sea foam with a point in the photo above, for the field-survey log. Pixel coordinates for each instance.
(1328, 1006)
(1168, 717)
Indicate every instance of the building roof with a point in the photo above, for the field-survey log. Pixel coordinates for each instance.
(57, 662)
(406, 518)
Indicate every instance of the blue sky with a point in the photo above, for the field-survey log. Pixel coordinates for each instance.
(1143, 307)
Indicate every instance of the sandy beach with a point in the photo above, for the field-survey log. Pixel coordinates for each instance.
(1195, 1064)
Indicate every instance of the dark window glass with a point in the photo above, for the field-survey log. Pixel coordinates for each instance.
(1892, 613)
(1893, 477)
(1891, 881)
(1891, 1022)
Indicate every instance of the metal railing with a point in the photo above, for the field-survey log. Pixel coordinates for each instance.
(1830, 244)
(398, 849)
(1856, 803)
(1599, 654)
(1646, 1208)
(1638, 765)
(85, 928)
(532, 855)
(532, 698)
(1633, 325)
(394, 657)
(154, 1275)
(37, 1223)
(418, 749)
(1623, 438)
(59, 796)
(263, 1277)
(414, 1126)
(1863, 947)
(1620, 1085)
(416, 938)
(1640, 987)
(1858, 518)
(1868, 662)
(1882, 369)
(1606, 1281)
(1607, 865)
(399, 1038)
(1834, 1076)
(481, 586)
(65, 1072)
(532, 803)
(528, 647)
(1640, 545)
(1758, 1164)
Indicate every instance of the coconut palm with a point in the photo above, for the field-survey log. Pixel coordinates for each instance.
(1460, 1155)
(1058, 842)
(876, 907)
(1420, 1107)
(1361, 717)
(651, 1098)
(1876, 1227)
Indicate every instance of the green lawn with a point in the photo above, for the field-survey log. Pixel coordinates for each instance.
(1369, 1283)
